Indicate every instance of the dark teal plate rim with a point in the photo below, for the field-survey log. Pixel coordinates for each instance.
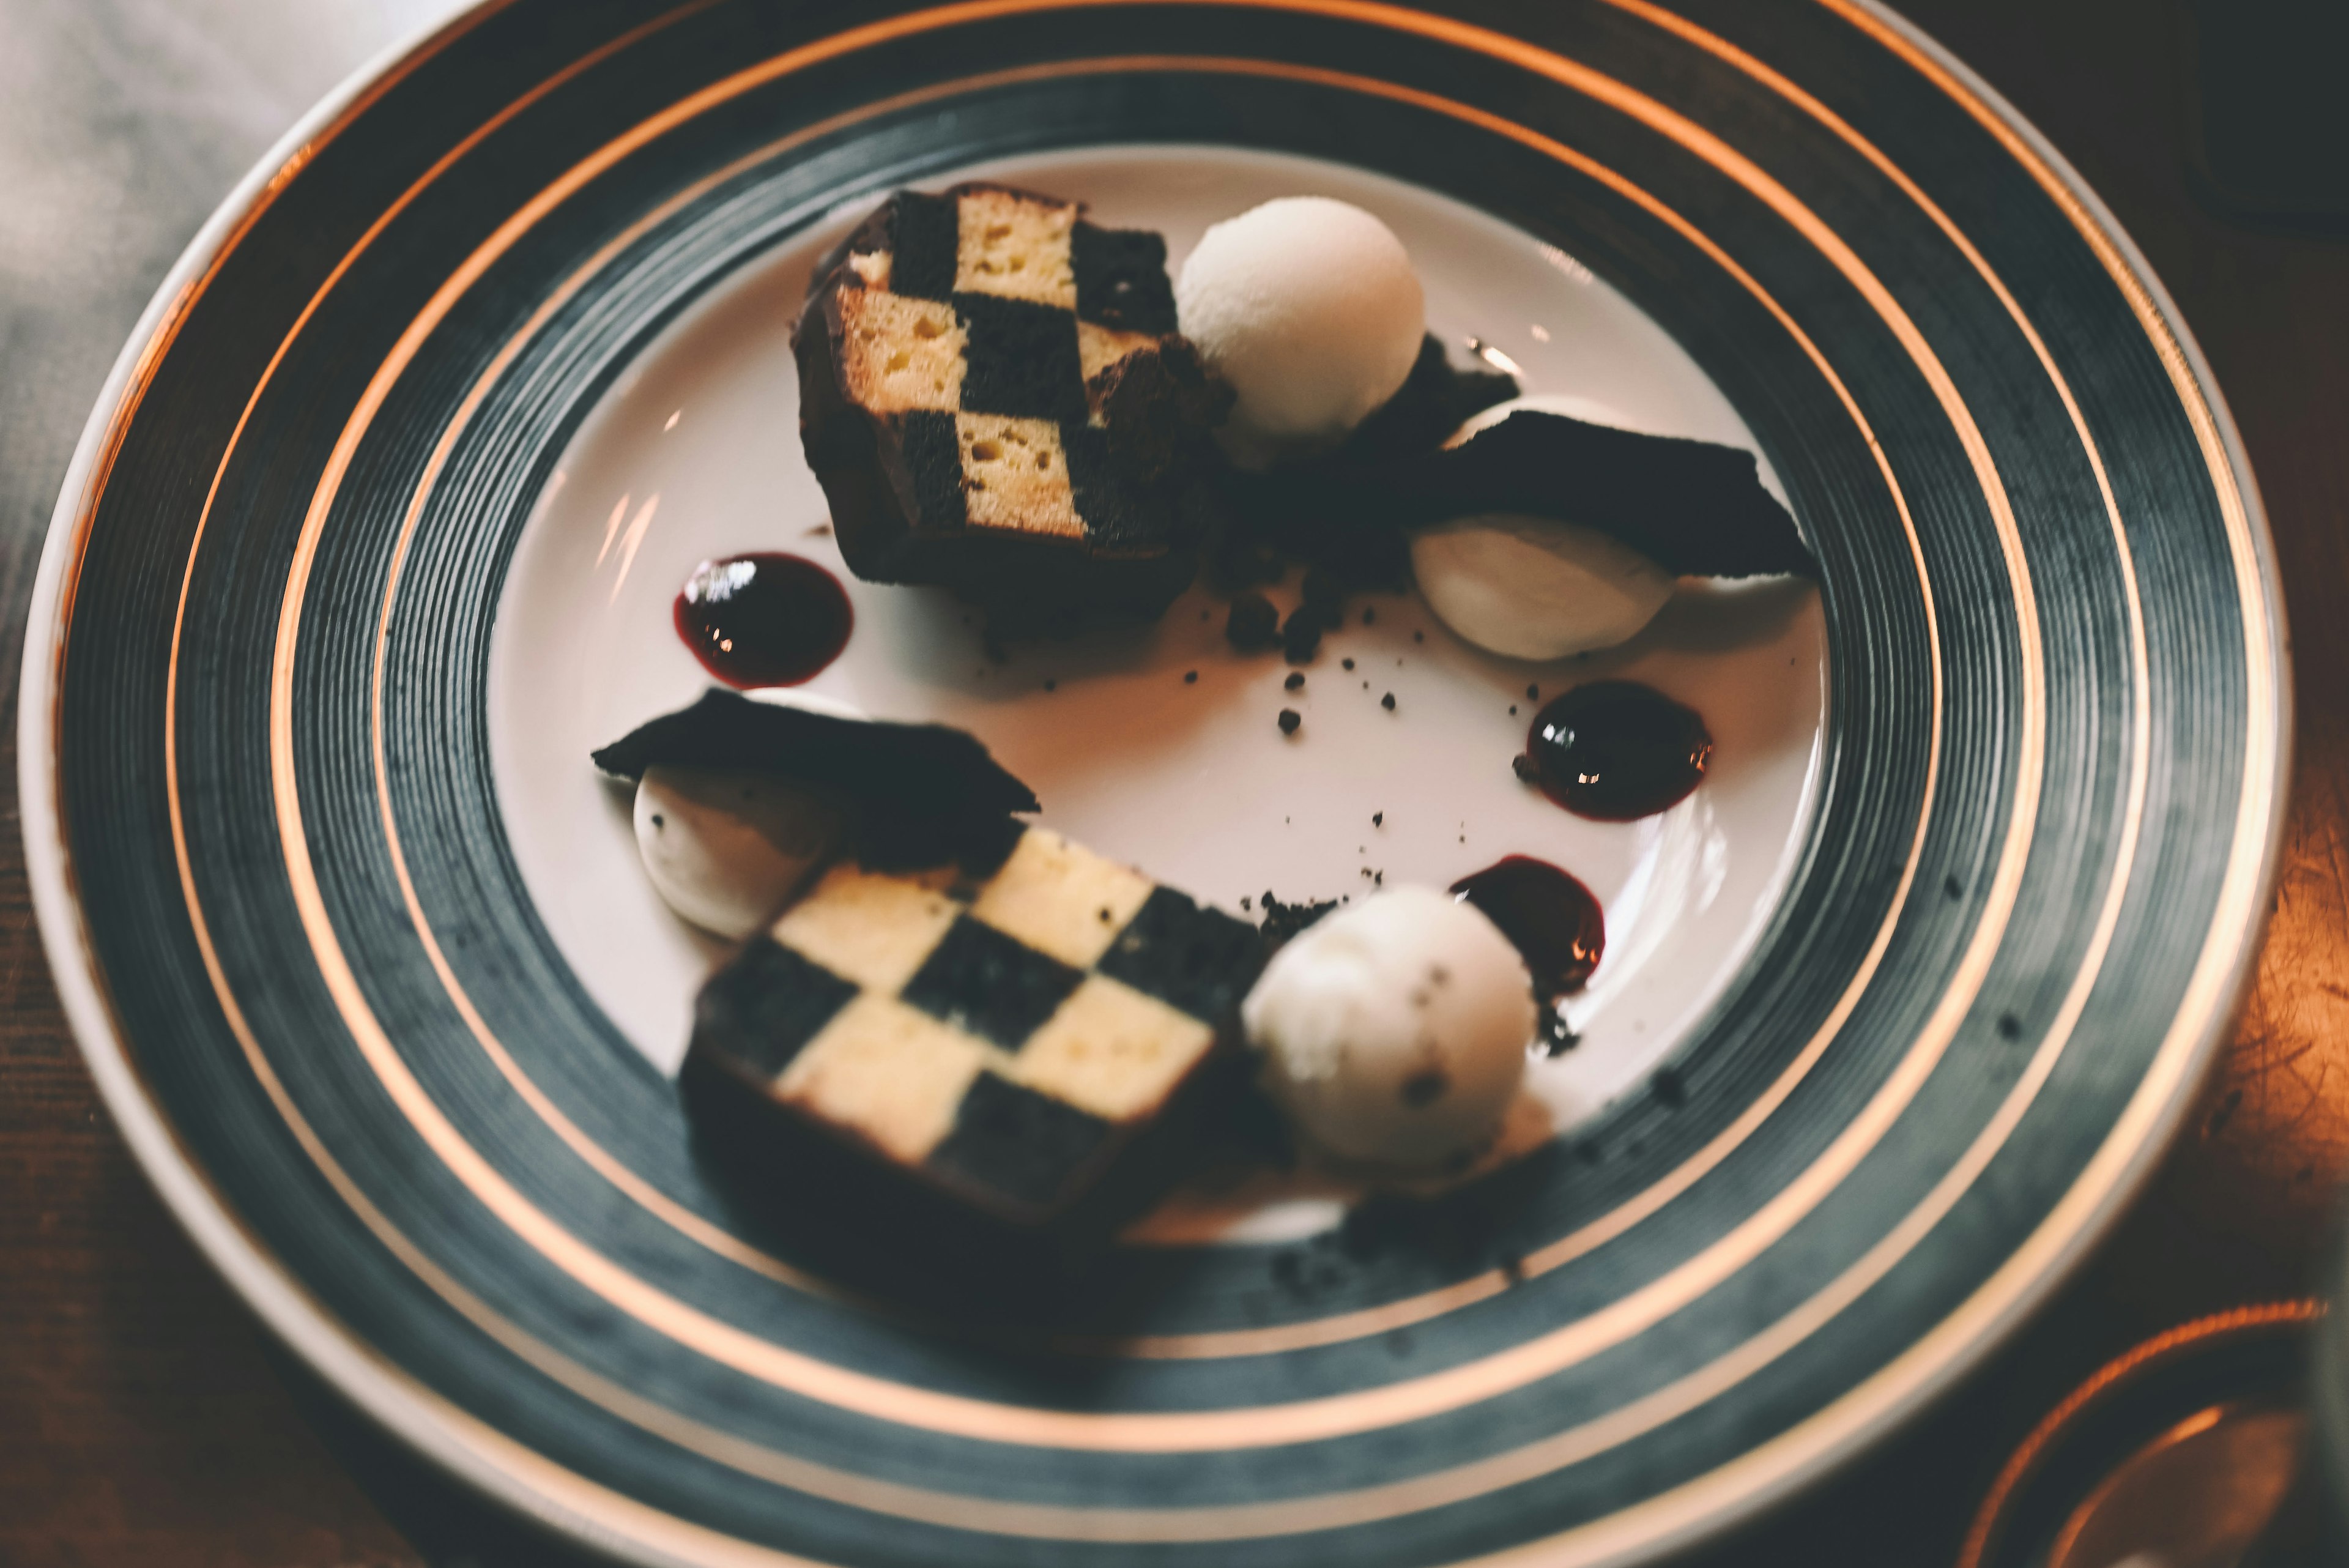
(277, 896)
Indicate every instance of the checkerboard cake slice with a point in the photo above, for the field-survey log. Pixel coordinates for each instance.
(993, 395)
(1005, 1035)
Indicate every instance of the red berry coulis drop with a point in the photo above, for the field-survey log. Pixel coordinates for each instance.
(1616, 750)
(1552, 919)
(763, 619)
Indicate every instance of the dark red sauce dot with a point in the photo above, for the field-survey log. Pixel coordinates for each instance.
(1615, 750)
(1552, 919)
(763, 619)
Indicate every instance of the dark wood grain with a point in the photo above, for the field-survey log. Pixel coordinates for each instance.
(141, 1418)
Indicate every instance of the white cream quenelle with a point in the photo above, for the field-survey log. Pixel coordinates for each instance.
(1394, 1031)
(1309, 306)
(725, 850)
(1535, 588)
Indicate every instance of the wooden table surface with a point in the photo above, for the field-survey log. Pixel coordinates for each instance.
(143, 1418)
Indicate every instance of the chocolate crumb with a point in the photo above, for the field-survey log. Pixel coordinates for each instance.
(1369, 615)
(1387, 701)
(1289, 720)
(1425, 1088)
(1252, 624)
(1513, 709)
(659, 821)
(1300, 640)
(1247, 902)
(1524, 767)
(1378, 878)
(1052, 686)
(1533, 694)
(1295, 682)
(1378, 820)
(1418, 636)
(1511, 1267)
(1191, 678)
(819, 531)
(1671, 1089)
(1282, 921)
(1346, 663)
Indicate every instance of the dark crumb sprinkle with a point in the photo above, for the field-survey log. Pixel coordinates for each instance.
(1366, 686)
(1190, 678)
(1282, 921)
(1252, 624)
(1106, 917)
(1671, 1089)
(1378, 878)
(1522, 766)
(1289, 720)
(819, 530)
(1513, 709)
(1511, 1267)
(659, 821)
(1387, 701)
(1296, 681)
(1369, 615)
(1378, 820)
(1366, 873)
(1424, 1088)
(1346, 663)
(1052, 686)
(1533, 694)
(1418, 636)
(1300, 640)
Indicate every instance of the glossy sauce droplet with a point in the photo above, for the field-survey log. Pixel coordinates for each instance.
(763, 619)
(1552, 919)
(1615, 750)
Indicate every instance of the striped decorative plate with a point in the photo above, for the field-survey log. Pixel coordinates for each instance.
(372, 537)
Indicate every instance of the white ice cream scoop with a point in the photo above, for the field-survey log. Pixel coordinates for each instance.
(1535, 588)
(725, 850)
(1310, 308)
(1395, 1031)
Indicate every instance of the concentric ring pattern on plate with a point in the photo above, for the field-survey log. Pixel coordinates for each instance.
(279, 900)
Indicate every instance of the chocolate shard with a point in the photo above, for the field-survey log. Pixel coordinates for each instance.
(1436, 398)
(1695, 508)
(899, 776)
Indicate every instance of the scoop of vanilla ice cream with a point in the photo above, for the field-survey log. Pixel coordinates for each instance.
(1535, 588)
(725, 850)
(1395, 1031)
(1310, 308)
